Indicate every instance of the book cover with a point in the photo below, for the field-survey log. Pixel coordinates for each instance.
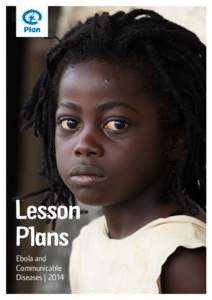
(39, 234)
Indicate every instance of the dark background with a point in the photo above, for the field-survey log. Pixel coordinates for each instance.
(25, 57)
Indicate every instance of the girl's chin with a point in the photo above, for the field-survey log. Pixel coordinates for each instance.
(92, 200)
(92, 196)
(91, 203)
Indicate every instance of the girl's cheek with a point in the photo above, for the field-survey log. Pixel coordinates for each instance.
(63, 156)
(59, 157)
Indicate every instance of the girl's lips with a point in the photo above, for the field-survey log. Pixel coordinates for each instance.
(86, 175)
(87, 180)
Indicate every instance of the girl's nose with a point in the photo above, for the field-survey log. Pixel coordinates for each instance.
(88, 145)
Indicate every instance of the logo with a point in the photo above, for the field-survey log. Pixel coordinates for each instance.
(31, 22)
(32, 17)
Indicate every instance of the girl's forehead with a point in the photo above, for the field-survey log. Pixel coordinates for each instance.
(102, 75)
(92, 86)
(99, 69)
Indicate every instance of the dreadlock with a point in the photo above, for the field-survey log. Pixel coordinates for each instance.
(174, 60)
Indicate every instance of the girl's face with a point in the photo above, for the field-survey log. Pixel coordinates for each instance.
(110, 144)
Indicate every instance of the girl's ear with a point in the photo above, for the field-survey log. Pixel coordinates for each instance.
(176, 142)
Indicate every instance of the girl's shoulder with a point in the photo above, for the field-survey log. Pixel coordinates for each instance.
(179, 230)
(153, 252)
(184, 271)
(166, 234)
(181, 254)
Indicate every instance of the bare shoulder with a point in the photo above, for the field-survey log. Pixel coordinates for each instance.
(184, 272)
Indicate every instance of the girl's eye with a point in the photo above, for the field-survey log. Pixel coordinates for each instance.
(116, 125)
(70, 124)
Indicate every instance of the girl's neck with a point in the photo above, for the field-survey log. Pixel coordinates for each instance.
(125, 218)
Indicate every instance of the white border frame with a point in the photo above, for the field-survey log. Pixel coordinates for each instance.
(3, 130)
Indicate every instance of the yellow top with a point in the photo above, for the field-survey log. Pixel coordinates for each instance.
(133, 264)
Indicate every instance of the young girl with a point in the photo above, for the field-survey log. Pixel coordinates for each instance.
(121, 109)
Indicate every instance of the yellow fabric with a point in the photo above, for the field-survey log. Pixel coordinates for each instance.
(133, 264)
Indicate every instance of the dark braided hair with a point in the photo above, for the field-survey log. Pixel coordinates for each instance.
(174, 60)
